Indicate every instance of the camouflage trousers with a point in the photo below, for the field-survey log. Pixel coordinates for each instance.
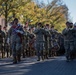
(39, 46)
(1, 46)
(16, 49)
(75, 45)
(2, 50)
(69, 47)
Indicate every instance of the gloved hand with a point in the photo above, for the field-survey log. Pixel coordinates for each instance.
(18, 31)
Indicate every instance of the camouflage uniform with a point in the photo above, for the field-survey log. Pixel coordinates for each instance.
(29, 40)
(25, 43)
(47, 42)
(15, 34)
(74, 52)
(54, 46)
(68, 41)
(75, 36)
(31, 43)
(61, 44)
(39, 43)
(2, 40)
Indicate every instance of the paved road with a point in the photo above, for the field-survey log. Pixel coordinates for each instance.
(29, 66)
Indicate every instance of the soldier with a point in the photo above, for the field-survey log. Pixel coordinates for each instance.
(31, 41)
(47, 38)
(26, 40)
(74, 52)
(68, 34)
(39, 43)
(52, 40)
(61, 44)
(75, 35)
(15, 34)
(2, 38)
(6, 46)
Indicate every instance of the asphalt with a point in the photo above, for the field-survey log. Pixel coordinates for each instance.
(30, 66)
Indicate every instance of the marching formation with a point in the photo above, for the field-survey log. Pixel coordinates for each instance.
(43, 41)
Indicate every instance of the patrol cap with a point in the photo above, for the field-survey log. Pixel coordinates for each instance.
(67, 22)
(71, 23)
(39, 24)
(52, 26)
(16, 19)
(47, 25)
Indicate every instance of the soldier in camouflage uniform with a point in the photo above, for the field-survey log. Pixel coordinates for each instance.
(15, 34)
(39, 43)
(75, 35)
(54, 41)
(61, 44)
(68, 34)
(25, 42)
(74, 52)
(28, 41)
(2, 38)
(31, 41)
(47, 42)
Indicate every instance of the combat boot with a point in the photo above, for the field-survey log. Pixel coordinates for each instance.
(14, 60)
(38, 58)
(42, 57)
(18, 57)
(67, 59)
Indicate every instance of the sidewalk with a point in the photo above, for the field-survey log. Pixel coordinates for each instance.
(29, 66)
